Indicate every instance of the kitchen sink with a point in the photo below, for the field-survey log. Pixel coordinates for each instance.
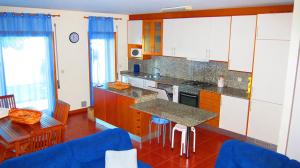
(150, 76)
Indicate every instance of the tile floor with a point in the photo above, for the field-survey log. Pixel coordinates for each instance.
(207, 146)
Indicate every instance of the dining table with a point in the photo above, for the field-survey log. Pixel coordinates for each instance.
(15, 135)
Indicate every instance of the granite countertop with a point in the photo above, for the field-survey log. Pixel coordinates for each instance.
(179, 113)
(228, 91)
(140, 95)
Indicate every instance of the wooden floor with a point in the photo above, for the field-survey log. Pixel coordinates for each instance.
(207, 146)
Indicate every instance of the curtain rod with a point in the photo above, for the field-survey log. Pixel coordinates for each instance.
(57, 15)
(86, 17)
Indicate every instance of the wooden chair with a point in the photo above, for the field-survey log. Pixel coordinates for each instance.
(2, 152)
(7, 101)
(61, 111)
(44, 138)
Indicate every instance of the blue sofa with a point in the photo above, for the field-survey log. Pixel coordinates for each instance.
(237, 154)
(88, 152)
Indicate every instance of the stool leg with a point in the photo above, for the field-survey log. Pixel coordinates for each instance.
(150, 133)
(172, 141)
(181, 148)
(164, 134)
(170, 131)
(183, 141)
(158, 126)
(194, 143)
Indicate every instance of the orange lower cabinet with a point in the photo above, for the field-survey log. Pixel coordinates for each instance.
(210, 101)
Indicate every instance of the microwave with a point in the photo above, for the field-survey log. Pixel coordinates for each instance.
(136, 52)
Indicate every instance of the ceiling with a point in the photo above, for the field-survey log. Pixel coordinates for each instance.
(136, 6)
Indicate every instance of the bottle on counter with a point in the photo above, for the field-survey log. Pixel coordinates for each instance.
(221, 81)
(249, 86)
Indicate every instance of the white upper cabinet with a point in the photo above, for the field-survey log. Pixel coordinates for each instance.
(219, 39)
(269, 71)
(274, 26)
(234, 114)
(135, 31)
(199, 39)
(196, 33)
(170, 28)
(242, 43)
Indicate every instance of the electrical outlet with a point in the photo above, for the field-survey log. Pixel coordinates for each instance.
(239, 79)
(83, 104)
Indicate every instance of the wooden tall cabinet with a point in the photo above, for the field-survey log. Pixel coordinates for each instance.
(152, 37)
(210, 101)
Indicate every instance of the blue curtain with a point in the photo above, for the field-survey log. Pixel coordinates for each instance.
(102, 52)
(27, 61)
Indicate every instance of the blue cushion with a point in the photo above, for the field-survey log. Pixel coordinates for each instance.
(237, 154)
(159, 121)
(84, 152)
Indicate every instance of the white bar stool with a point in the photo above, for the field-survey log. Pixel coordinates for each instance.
(183, 130)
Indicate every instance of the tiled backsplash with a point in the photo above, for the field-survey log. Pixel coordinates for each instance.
(193, 70)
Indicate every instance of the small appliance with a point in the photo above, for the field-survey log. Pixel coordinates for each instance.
(136, 52)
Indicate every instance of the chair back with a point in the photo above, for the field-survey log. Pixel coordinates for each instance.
(7, 101)
(61, 111)
(44, 138)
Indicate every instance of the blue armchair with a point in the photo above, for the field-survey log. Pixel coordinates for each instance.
(237, 154)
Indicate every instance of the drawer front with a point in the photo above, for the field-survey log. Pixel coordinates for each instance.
(148, 83)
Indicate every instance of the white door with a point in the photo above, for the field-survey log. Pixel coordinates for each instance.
(274, 26)
(135, 29)
(233, 114)
(242, 43)
(269, 73)
(264, 121)
(219, 39)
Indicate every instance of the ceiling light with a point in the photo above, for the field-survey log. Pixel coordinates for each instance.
(176, 9)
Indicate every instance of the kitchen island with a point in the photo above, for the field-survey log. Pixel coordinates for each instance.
(112, 108)
(178, 113)
(132, 109)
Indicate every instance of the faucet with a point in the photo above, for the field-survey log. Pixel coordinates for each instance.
(156, 75)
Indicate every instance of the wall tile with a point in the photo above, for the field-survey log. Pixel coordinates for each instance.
(193, 70)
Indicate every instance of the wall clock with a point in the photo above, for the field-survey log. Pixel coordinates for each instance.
(74, 37)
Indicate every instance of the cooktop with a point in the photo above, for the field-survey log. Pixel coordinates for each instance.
(197, 83)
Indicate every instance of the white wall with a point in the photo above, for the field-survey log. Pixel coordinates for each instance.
(73, 58)
(289, 141)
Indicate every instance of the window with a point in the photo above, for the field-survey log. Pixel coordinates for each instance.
(98, 64)
(26, 60)
(102, 52)
(26, 70)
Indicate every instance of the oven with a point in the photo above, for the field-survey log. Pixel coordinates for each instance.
(188, 99)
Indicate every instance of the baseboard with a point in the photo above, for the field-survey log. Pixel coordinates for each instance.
(240, 137)
(77, 111)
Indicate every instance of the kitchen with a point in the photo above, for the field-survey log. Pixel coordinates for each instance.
(217, 64)
(189, 86)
